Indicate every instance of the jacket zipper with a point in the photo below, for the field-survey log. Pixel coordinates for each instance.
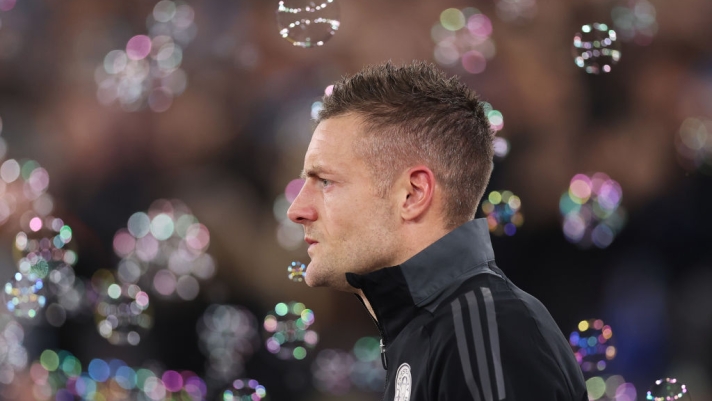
(384, 359)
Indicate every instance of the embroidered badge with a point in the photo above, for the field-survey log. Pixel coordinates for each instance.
(403, 382)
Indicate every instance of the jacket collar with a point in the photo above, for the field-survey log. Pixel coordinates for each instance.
(423, 281)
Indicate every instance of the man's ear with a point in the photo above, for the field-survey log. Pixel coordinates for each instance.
(419, 190)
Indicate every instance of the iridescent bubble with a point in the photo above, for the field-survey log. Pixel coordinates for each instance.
(596, 48)
(591, 210)
(502, 210)
(296, 271)
(43, 244)
(121, 311)
(668, 389)
(24, 295)
(288, 329)
(308, 23)
(228, 336)
(244, 390)
(331, 371)
(593, 345)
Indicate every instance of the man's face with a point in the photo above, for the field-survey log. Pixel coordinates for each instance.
(348, 226)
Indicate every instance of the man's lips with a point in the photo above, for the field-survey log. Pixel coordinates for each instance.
(310, 241)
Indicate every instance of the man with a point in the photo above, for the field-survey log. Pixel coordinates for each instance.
(393, 175)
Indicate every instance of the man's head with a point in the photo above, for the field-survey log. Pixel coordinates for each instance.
(397, 152)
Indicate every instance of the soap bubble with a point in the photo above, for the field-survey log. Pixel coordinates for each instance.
(593, 345)
(596, 48)
(668, 389)
(43, 245)
(24, 295)
(244, 390)
(308, 23)
(288, 329)
(296, 271)
(503, 212)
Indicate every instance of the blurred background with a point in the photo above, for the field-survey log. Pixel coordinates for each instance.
(150, 150)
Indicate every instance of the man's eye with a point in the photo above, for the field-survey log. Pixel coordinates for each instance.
(325, 182)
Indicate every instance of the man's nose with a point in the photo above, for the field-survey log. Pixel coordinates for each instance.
(301, 211)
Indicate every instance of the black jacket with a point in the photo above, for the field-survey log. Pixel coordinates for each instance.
(454, 328)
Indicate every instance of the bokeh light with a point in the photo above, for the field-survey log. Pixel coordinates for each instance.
(596, 48)
(23, 188)
(593, 345)
(228, 336)
(290, 235)
(165, 249)
(591, 210)
(610, 388)
(668, 389)
(122, 312)
(308, 23)
(331, 371)
(43, 245)
(694, 145)
(463, 37)
(13, 355)
(147, 73)
(287, 328)
(494, 117)
(502, 210)
(635, 21)
(24, 295)
(516, 10)
(244, 390)
(367, 373)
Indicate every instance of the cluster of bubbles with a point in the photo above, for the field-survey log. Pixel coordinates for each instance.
(165, 250)
(694, 144)
(290, 235)
(516, 10)
(228, 335)
(635, 21)
(337, 371)
(502, 210)
(296, 271)
(591, 210)
(593, 345)
(13, 355)
(668, 389)
(244, 390)
(610, 388)
(463, 37)
(58, 375)
(147, 72)
(496, 122)
(308, 23)
(596, 48)
(287, 330)
(121, 311)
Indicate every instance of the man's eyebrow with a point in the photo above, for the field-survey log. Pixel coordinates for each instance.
(314, 171)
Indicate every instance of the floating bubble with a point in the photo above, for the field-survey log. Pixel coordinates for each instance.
(596, 48)
(593, 345)
(121, 311)
(668, 389)
(308, 23)
(331, 371)
(502, 210)
(244, 390)
(24, 295)
(591, 210)
(43, 244)
(288, 329)
(296, 271)
(463, 36)
(228, 336)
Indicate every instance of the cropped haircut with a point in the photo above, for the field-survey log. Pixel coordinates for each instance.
(414, 114)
